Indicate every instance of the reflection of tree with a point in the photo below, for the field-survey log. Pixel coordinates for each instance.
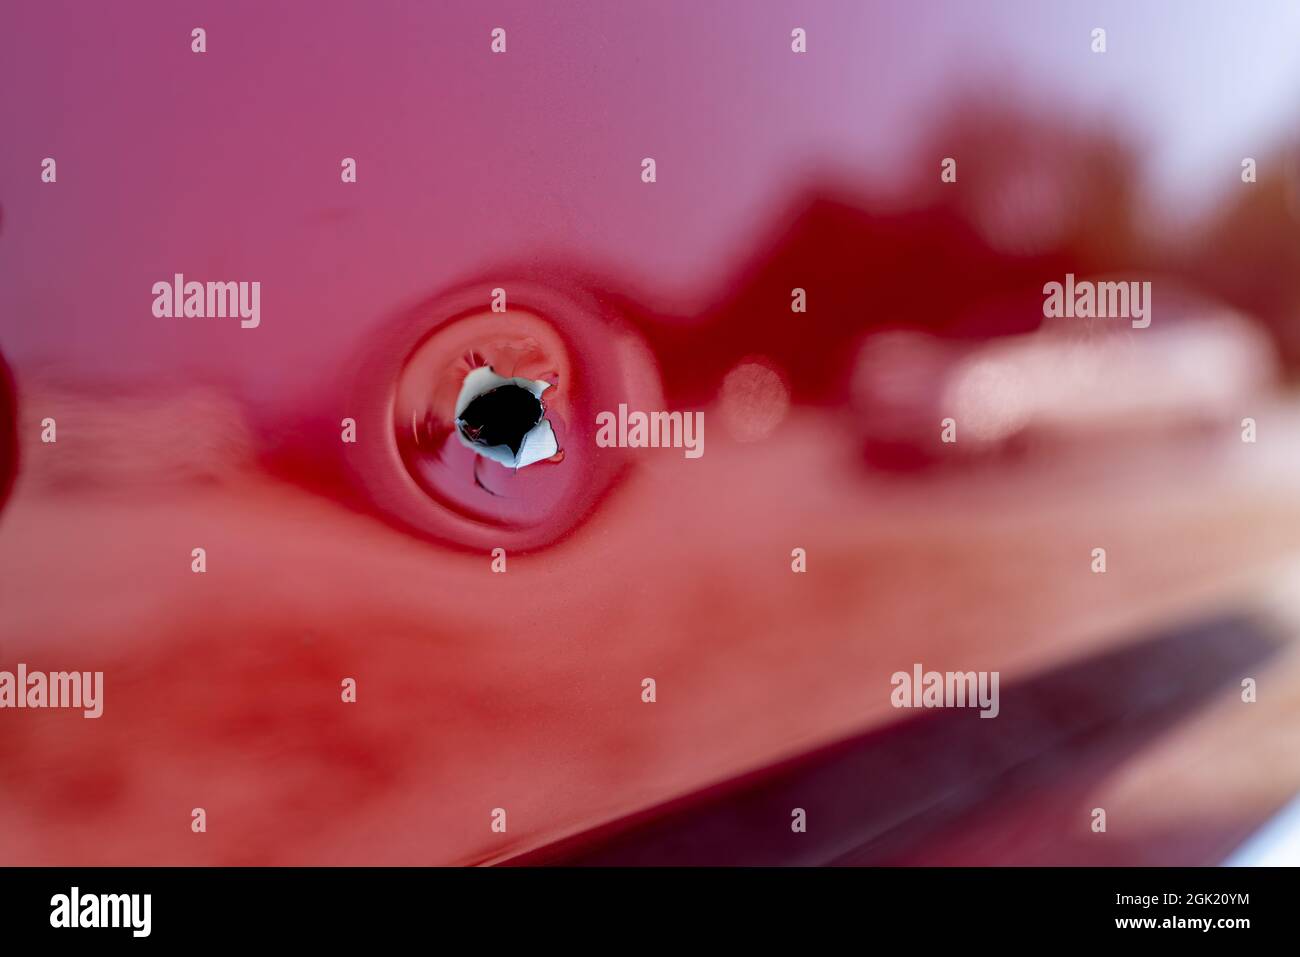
(1037, 184)
(1249, 254)
(1035, 198)
(1037, 195)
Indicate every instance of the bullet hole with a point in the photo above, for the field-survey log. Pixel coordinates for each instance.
(504, 419)
(501, 416)
(573, 353)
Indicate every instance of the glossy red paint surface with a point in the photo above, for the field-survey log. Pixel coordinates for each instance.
(479, 690)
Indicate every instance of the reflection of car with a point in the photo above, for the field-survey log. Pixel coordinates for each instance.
(896, 396)
(1062, 384)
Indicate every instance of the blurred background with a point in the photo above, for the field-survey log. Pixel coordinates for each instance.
(775, 170)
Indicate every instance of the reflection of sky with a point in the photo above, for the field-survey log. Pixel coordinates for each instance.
(1276, 844)
(226, 166)
(1202, 83)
